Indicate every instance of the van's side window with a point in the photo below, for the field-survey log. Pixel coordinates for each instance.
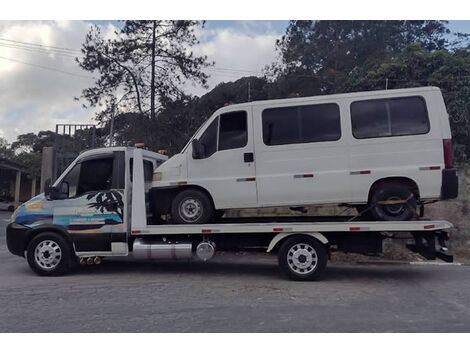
(233, 130)
(389, 117)
(301, 124)
(208, 139)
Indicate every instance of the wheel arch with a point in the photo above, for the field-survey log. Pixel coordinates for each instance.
(59, 230)
(167, 195)
(409, 182)
(277, 240)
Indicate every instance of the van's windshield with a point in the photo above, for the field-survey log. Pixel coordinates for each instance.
(195, 133)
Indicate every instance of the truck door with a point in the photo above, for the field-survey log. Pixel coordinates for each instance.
(93, 209)
(227, 169)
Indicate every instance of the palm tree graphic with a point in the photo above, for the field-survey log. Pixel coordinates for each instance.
(111, 201)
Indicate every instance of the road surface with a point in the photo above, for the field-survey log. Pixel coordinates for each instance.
(235, 293)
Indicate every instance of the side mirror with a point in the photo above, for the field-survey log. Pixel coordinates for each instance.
(64, 189)
(198, 152)
(60, 192)
(47, 188)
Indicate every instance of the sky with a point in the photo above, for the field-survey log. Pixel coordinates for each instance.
(38, 87)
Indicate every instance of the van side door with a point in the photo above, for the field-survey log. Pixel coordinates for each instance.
(301, 154)
(227, 168)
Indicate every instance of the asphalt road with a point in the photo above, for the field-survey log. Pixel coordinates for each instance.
(235, 293)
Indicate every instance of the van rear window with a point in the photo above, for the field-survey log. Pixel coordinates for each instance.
(389, 117)
(301, 124)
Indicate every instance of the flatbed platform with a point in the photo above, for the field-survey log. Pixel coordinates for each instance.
(294, 227)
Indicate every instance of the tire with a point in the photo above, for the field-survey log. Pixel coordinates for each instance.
(398, 212)
(218, 214)
(39, 255)
(302, 258)
(11, 208)
(192, 206)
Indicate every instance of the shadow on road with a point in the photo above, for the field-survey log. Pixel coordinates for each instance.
(341, 273)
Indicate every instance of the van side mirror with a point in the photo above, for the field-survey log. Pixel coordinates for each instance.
(198, 152)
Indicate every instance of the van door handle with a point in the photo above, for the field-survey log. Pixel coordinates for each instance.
(248, 157)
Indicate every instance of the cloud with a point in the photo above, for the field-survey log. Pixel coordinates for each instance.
(237, 52)
(33, 98)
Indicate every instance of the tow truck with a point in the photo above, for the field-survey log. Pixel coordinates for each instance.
(99, 208)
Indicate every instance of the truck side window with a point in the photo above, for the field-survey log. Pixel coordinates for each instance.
(233, 130)
(148, 170)
(95, 175)
(208, 139)
(72, 180)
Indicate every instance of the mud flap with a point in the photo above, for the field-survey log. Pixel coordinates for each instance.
(431, 245)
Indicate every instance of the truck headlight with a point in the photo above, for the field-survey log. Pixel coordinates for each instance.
(157, 176)
(15, 214)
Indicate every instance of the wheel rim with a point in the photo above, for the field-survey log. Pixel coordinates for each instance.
(302, 258)
(190, 209)
(47, 255)
(394, 209)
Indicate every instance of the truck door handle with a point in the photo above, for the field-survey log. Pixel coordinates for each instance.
(248, 157)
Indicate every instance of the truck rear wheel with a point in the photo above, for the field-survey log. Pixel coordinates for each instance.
(302, 258)
(192, 206)
(49, 254)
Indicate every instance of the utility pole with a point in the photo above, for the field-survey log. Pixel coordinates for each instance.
(152, 82)
(386, 83)
(111, 129)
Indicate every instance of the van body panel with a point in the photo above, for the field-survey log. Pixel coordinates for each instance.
(230, 180)
(302, 172)
(325, 171)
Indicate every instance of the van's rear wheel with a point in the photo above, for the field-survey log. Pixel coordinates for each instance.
(49, 254)
(302, 258)
(392, 202)
(192, 206)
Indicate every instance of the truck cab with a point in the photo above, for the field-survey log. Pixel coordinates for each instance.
(88, 204)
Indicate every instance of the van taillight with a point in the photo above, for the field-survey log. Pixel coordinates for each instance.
(448, 158)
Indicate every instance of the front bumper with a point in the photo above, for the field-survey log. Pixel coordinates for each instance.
(17, 238)
(450, 184)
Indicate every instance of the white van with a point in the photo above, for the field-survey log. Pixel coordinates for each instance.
(388, 151)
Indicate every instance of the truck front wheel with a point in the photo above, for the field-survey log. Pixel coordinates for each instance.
(302, 258)
(49, 254)
(192, 206)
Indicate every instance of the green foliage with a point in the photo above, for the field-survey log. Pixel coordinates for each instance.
(322, 54)
(144, 60)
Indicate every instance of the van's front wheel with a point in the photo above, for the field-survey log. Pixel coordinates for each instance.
(192, 206)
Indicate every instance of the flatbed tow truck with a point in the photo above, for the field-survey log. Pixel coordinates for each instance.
(72, 222)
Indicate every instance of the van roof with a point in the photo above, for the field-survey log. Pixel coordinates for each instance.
(371, 93)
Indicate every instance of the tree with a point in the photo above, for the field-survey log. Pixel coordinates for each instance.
(5, 151)
(146, 62)
(322, 54)
(416, 67)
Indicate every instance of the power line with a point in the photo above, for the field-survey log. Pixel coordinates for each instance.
(45, 67)
(41, 45)
(31, 50)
